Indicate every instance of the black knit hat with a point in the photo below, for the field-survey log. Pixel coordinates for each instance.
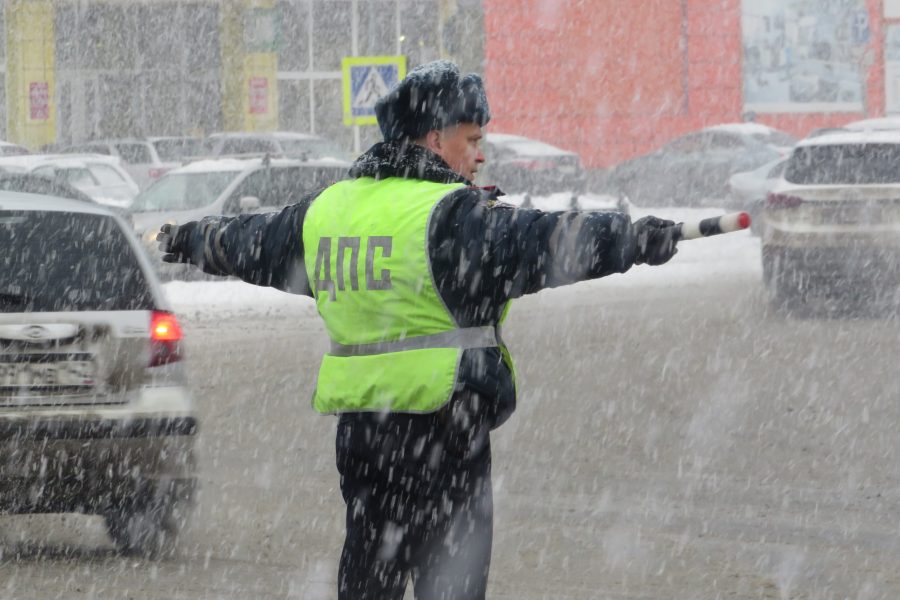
(431, 96)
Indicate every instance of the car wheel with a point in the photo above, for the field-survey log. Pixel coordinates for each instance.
(149, 524)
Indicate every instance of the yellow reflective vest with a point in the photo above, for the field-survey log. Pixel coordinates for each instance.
(394, 344)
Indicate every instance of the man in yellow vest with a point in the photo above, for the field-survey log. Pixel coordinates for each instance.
(412, 269)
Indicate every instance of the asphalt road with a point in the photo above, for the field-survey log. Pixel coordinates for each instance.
(670, 442)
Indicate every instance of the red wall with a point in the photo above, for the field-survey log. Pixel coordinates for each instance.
(611, 79)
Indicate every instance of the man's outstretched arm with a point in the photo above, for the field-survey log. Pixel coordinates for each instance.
(264, 249)
(505, 252)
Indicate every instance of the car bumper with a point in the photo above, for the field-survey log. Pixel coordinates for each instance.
(846, 270)
(93, 466)
(90, 429)
(90, 458)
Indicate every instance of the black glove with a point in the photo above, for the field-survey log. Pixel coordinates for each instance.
(656, 239)
(174, 242)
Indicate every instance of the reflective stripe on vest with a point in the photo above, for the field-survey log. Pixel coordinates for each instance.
(464, 339)
(395, 345)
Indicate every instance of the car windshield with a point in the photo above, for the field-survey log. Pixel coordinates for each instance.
(56, 261)
(12, 150)
(849, 164)
(183, 191)
(311, 148)
(776, 138)
(176, 149)
(77, 176)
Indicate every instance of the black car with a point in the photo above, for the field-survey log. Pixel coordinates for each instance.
(693, 170)
(519, 165)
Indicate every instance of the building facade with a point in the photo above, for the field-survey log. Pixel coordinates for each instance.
(612, 79)
(75, 70)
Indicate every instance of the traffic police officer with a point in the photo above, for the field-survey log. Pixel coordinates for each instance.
(412, 269)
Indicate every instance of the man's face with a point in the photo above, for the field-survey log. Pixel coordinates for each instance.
(460, 147)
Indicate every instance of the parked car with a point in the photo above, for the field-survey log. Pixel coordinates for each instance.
(519, 165)
(145, 159)
(9, 149)
(281, 144)
(226, 187)
(32, 184)
(820, 131)
(95, 413)
(876, 124)
(693, 170)
(832, 221)
(747, 191)
(100, 177)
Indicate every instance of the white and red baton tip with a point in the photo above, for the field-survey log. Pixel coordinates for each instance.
(714, 226)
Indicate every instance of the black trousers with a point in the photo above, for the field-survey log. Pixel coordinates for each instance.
(419, 507)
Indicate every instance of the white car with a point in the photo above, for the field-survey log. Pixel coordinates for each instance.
(283, 144)
(747, 191)
(226, 186)
(833, 221)
(95, 413)
(100, 177)
(10, 149)
(145, 159)
(876, 124)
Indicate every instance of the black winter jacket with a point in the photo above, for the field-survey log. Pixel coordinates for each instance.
(483, 253)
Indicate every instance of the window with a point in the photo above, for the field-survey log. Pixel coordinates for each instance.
(419, 28)
(686, 144)
(45, 172)
(293, 106)
(777, 170)
(377, 29)
(328, 96)
(277, 187)
(79, 177)
(725, 141)
(331, 33)
(135, 154)
(106, 175)
(850, 164)
(776, 138)
(89, 149)
(176, 149)
(248, 146)
(12, 150)
(55, 261)
(293, 54)
(311, 148)
(183, 191)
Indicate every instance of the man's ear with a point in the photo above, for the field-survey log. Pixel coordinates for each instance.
(433, 141)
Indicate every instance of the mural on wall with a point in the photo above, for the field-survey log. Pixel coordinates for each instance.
(804, 55)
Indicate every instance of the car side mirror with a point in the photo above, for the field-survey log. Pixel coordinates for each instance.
(249, 203)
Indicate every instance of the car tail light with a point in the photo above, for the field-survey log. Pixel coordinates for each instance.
(157, 173)
(165, 338)
(782, 201)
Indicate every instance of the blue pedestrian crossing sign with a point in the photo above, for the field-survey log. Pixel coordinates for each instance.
(366, 79)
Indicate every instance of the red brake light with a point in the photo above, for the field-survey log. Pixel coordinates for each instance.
(165, 338)
(164, 327)
(782, 201)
